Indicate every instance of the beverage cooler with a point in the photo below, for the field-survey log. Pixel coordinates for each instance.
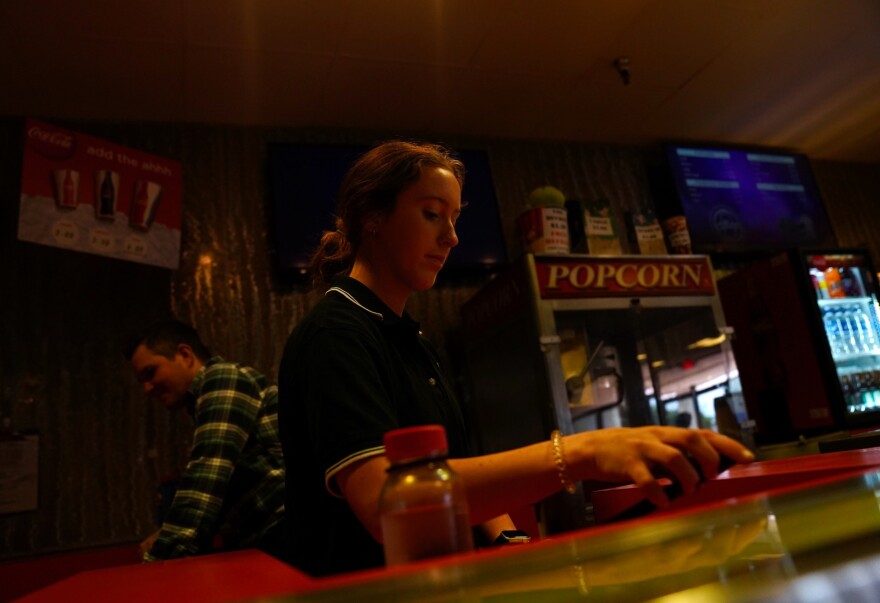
(577, 342)
(808, 342)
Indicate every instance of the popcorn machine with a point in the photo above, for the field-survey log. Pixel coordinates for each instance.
(578, 342)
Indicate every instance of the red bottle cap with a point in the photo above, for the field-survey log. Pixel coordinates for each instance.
(413, 443)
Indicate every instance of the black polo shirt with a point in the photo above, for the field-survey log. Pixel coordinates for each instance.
(351, 371)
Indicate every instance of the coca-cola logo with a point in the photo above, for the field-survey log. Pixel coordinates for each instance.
(51, 142)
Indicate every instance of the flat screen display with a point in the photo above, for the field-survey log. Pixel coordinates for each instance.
(741, 199)
(304, 181)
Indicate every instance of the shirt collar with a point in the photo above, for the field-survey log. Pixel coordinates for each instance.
(196, 383)
(363, 297)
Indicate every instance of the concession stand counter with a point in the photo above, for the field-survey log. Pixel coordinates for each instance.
(818, 536)
(579, 342)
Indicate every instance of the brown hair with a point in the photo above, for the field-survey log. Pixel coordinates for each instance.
(370, 188)
(163, 338)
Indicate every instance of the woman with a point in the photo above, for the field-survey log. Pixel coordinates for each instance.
(357, 367)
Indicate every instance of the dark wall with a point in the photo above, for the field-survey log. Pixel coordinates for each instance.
(64, 315)
(852, 197)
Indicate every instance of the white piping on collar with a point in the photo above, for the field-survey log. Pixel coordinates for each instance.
(351, 298)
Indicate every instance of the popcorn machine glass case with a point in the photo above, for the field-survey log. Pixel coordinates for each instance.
(577, 342)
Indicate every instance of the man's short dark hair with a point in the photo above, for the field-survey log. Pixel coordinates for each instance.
(164, 337)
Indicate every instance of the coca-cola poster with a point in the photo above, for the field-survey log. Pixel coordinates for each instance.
(90, 195)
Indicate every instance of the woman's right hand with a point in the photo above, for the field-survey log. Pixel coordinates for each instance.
(633, 454)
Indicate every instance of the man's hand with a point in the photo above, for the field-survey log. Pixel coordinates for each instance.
(147, 544)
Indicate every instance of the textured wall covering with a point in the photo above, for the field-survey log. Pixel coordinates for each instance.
(62, 320)
(852, 198)
(63, 315)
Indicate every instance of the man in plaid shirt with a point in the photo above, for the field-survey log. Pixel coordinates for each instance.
(233, 485)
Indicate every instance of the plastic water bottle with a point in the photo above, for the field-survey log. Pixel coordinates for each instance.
(863, 328)
(851, 319)
(870, 339)
(843, 330)
(840, 335)
(851, 326)
(831, 330)
(423, 505)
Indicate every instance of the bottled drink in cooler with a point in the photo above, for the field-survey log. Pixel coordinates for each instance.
(819, 284)
(850, 321)
(842, 336)
(871, 343)
(834, 283)
(859, 333)
(849, 279)
(831, 330)
(423, 505)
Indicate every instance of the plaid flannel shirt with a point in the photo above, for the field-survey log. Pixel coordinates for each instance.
(234, 481)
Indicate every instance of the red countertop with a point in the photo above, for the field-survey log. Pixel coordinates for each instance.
(220, 577)
(741, 480)
(245, 575)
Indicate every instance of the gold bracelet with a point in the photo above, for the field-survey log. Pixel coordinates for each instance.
(559, 459)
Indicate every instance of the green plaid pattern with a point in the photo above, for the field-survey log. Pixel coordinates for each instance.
(234, 481)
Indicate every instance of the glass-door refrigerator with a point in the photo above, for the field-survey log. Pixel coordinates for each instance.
(807, 342)
(846, 294)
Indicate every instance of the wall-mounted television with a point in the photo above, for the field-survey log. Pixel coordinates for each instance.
(741, 199)
(304, 181)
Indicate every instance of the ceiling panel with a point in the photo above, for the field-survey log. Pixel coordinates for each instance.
(776, 83)
(254, 87)
(674, 40)
(433, 32)
(797, 73)
(383, 94)
(95, 79)
(557, 37)
(56, 22)
(274, 25)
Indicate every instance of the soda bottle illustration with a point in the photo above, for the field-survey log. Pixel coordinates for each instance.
(143, 208)
(69, 191)
(106, 201)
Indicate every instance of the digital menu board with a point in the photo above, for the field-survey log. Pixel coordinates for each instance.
(740, 199)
